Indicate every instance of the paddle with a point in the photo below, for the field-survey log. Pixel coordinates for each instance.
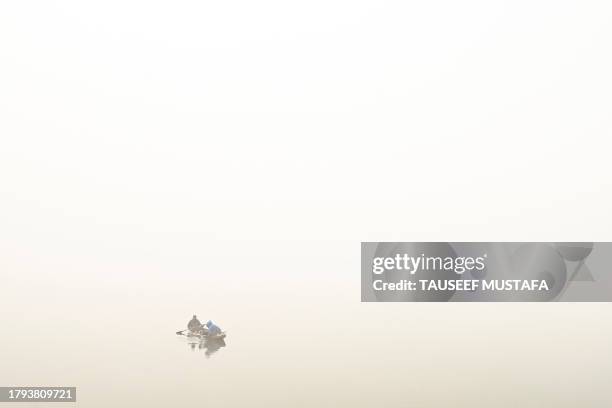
(181, 332)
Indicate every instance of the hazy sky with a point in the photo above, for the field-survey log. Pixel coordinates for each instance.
(163, 158)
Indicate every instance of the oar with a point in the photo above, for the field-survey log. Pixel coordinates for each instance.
(181, 332)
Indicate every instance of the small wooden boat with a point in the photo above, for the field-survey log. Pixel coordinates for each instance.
(201, 334)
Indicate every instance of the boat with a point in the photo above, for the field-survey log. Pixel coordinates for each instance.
(202, 334)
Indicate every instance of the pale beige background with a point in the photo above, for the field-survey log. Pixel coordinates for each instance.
(163, 158)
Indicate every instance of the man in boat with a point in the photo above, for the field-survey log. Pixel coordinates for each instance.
(194, 324)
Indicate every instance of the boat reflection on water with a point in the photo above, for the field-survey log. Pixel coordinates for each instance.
(209, 345)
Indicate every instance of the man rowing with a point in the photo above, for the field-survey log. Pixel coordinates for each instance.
(194, 324)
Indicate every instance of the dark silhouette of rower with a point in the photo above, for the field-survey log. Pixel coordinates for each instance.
(194, 324)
